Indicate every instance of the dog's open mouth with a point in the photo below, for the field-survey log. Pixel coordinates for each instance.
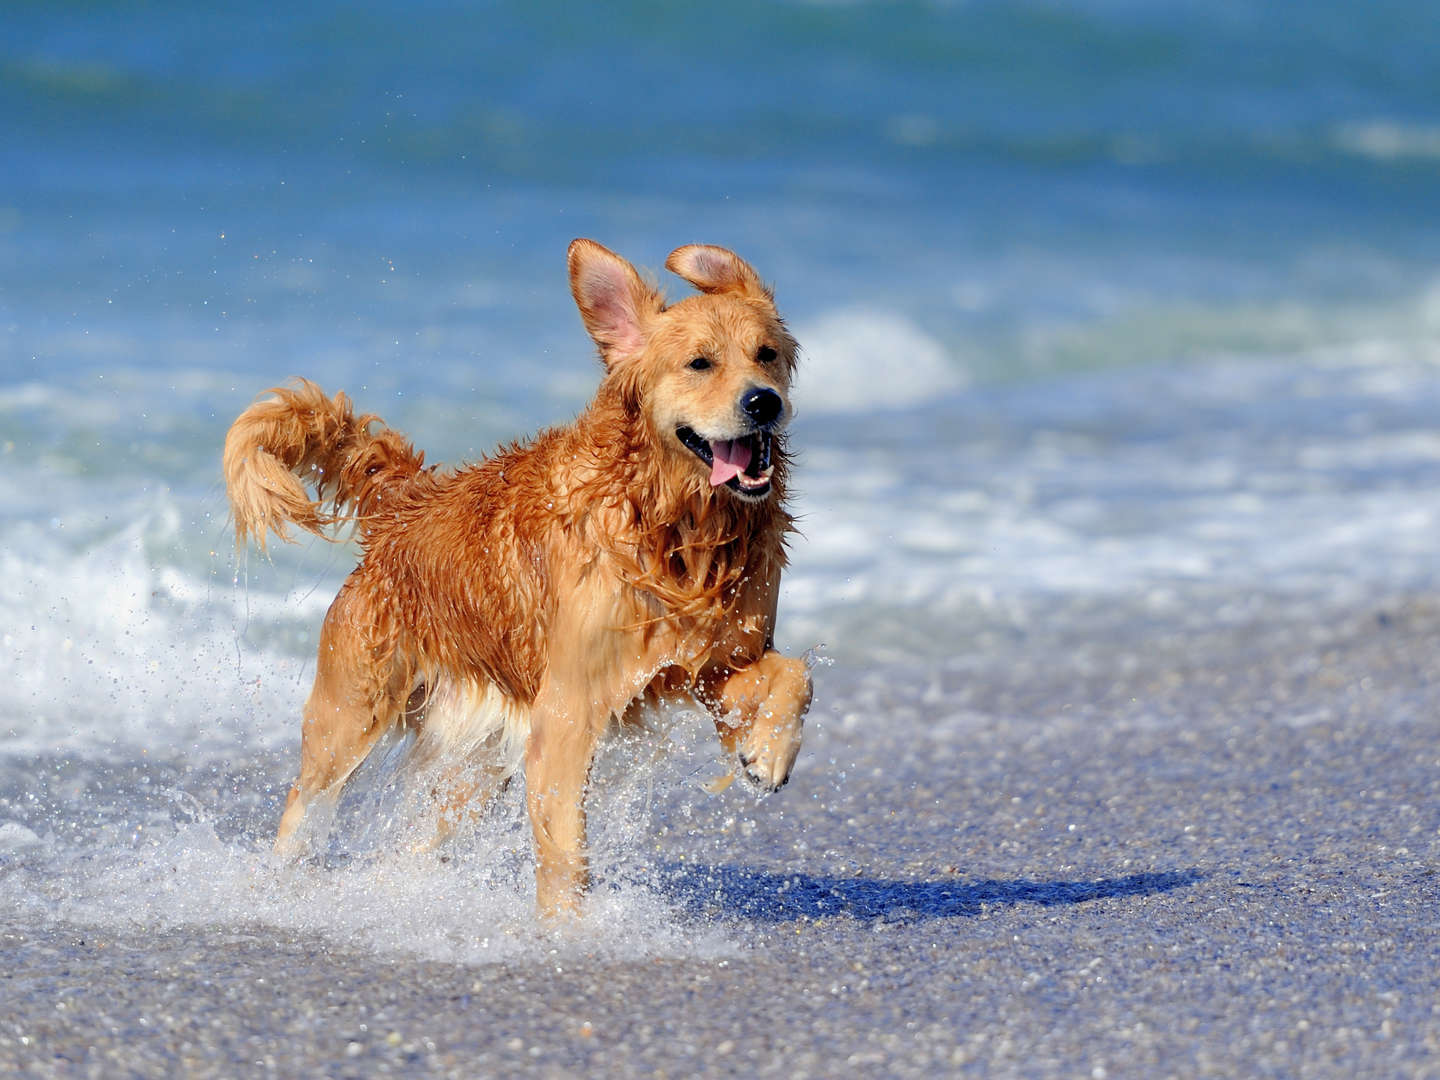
(742, 464)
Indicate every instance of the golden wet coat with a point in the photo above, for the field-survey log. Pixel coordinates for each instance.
(520, 606)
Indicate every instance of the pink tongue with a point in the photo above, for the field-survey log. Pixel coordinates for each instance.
(732, 457)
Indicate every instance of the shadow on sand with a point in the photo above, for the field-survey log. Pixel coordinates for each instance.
(767, 897)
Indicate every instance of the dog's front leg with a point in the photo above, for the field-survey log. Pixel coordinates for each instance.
(758, 713)
(557, 766)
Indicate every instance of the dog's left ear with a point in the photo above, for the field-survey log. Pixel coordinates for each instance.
(614, 302)
(714, 269)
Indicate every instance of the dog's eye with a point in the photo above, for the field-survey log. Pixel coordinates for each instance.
(699, 364)
(764, 354)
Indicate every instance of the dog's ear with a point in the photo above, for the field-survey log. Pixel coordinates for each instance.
(613, 300)
(716, 270)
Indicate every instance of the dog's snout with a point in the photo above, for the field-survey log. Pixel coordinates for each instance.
(762, 405)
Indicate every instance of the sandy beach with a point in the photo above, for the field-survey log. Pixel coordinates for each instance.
(1223, 870)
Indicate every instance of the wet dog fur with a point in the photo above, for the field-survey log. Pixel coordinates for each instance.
(511, 611)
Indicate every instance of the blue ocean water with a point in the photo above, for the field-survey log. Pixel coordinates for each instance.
(1115, 314)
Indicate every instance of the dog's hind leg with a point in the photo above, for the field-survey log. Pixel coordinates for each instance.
(358, 696)
(460, 795)
(469, 742)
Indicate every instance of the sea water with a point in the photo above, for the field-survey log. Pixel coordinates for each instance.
(1118, 319)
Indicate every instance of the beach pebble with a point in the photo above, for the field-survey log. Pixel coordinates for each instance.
(15, 837)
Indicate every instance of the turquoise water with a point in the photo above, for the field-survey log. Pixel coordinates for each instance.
(1039, 186)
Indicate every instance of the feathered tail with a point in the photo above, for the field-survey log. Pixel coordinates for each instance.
(302, 434)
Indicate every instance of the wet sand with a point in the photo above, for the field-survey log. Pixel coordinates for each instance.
(1155, 853)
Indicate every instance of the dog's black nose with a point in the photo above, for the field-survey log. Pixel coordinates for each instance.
(762, 405)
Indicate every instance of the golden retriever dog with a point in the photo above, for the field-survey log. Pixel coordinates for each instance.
(509, 612)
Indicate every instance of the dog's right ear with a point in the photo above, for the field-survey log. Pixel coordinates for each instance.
(614, 301)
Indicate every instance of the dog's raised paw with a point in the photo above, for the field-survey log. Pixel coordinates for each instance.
(767, 773)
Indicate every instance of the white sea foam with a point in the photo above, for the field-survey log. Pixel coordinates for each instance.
(153, 864)
(107, 644)
(476, 907)
(15, 837)
(1387, 140)
(858, 360)
(919, 555)
(975, 526)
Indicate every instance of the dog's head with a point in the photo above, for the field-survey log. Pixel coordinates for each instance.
(711, 373)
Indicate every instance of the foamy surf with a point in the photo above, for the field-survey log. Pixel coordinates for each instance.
(180, 847)
(865, 360)
(110, 646)
(475, 906)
